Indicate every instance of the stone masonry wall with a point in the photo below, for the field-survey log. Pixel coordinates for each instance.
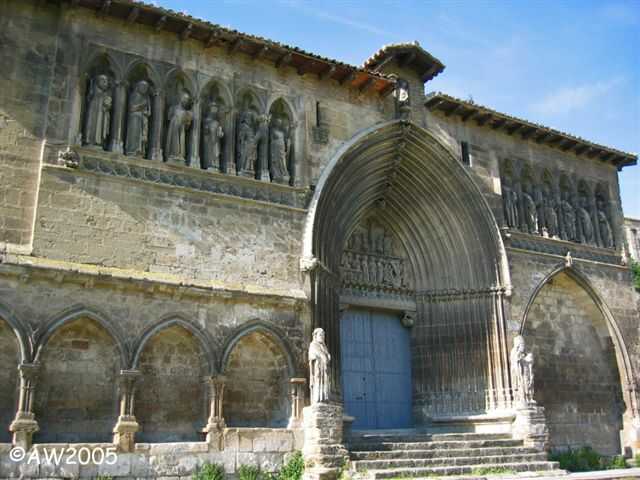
(77, 396)
(257, 384)
(9, 358)
(576, 375)
(171, 403)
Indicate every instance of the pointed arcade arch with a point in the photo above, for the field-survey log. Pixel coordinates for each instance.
(581, 364)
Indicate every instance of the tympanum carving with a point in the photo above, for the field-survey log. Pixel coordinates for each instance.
(138, 115)
(97, 124)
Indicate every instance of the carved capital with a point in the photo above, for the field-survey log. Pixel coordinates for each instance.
(309, 264)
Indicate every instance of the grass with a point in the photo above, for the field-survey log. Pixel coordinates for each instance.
(586, 459)
(209, 471)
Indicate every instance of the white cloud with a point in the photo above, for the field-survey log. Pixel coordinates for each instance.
(568, 99)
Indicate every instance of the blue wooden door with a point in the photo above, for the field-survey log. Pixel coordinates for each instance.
(376, 369)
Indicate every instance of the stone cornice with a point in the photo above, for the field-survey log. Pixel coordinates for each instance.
(26, 268)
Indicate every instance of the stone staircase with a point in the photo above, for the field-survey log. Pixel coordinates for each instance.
(471, 455)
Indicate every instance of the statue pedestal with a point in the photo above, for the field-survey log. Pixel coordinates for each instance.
(530, 426)
(324, 453)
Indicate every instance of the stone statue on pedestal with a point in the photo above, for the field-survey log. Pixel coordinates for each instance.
(98, 119)
(212, 137)
(568, 216)
(606, 234)
(319, 359)
(522, 372)
(586, 225)
(279, 148)
(180, 118)
(138, 113)
(510, 199)
(247, 145)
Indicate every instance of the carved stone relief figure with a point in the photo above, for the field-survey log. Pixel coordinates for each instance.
(319, 359)
(568, 218)
(212, 134)
(521, 372)
(584, 221)
(279, 148)
(138, 113)
(530, 212)
(550, 213)
(98, 119)
(510, 204)
(180, 118)
(606, 234)
(247, 143)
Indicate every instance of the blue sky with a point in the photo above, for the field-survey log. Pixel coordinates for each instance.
(571, 65)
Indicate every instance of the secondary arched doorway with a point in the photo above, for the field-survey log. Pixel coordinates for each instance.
(576, 370)
(398, 230)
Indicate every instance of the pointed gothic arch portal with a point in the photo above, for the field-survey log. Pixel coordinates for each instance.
(579, 364)
(397, 225)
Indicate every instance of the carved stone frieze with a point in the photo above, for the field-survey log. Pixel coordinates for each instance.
(188, 178)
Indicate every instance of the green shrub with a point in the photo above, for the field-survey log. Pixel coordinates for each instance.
(586, 459)
(617, 462)
(293, 469)
(249, 472)
(635, 269)
(636, 460)
(209, 471)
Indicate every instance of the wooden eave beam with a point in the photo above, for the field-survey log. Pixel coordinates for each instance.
(160, 23)
(133, 15)
(498, 123)
(348, 78)
(366, 84)
(567, 145)
(387, 89)
(482, 120)
(260, 52)
(528, 133)
(514, 128)
(580, 149)
(554, 139)
(604, 155)
(542, 137)
(429, 72)
(284, 60)
(327, 73)
(453, 110)
(470, 114)
(214, 35)
(186, 33)
(234, 45)
(406, 59)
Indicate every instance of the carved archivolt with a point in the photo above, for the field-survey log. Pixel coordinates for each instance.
(556, 206)
(178, 118)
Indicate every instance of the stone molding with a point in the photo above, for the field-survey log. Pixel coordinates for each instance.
(160, 173)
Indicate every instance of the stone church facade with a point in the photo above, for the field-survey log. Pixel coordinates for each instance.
(183, 204)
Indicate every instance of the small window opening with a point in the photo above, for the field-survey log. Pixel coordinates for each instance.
(466, 158)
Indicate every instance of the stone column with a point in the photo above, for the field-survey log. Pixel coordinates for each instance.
(530, 426)
(194, 152)
(263, 149)
(230, 142)
(25, 425)
(324, 452)
(215, 423)
(115, 144)
(156, 126)
(297, 402)
(127, 426)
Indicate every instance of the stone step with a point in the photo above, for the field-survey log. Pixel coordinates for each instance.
(368, 465)
(371, 446)
(439, 453)
(460, 470)
(412, 437)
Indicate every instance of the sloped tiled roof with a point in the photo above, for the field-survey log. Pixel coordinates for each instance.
(411, 55)
(186, 26)
(468, 111)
